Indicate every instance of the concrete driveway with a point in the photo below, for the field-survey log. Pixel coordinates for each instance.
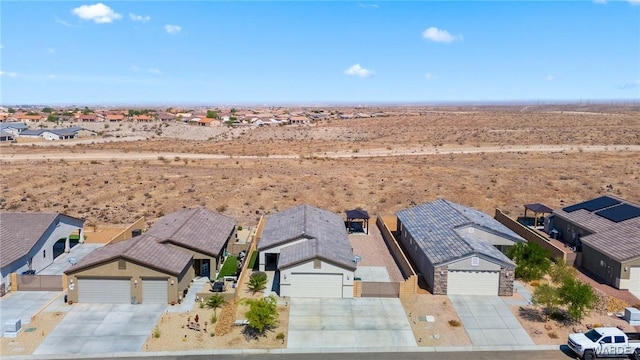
(102, 329)
(350, 324)
(24, 304)
(61, 263)
(489, 321)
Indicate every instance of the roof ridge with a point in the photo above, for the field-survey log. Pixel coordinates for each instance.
(173, 233)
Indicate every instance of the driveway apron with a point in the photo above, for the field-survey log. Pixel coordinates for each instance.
(489, 321)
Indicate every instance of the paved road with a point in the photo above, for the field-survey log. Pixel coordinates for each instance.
(457, 355)
(364, 153)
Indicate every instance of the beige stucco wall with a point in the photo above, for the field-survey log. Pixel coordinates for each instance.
(133, 272)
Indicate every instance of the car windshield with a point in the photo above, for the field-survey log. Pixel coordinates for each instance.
(593, 335)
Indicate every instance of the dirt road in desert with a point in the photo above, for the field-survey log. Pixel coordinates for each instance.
(363, 153)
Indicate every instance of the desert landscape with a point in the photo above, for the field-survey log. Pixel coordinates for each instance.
(485, 158)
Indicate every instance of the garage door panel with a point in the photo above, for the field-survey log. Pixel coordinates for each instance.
(316, 285)
(154, 291)
(634, 279)
(473, 282)
(115, 291)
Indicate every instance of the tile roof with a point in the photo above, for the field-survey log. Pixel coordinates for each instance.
(437, 228)
(144, 250)
(325, 230)
(198, 229)
(19, 233)
(620, 241)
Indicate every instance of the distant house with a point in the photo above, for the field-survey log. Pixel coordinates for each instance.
(298, 120)
(456, 248)
(31, 241)
(29, 117)
(158, 266)
(5, 136)
(143, 118)
(56, 134)
(13, 128)
(115, 117)
(310, 249)
(166, 117)
(606, 230)
(88, 118)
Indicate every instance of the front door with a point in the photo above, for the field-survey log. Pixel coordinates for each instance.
(205, 270)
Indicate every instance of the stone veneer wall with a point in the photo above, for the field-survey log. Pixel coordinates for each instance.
(506, 282)
(439, 286)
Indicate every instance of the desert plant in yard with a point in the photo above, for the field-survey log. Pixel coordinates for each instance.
(548, 297)
(578, 296)
(454, 323)
(262, 315)
(215, 301)
(280, 336)
(532, 261)
(214, 317)
(257, 281)
(560, 271)
(156, 332)
(553, 334)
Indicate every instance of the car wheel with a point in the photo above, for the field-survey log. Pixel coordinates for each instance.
(636, 354)
(589, 355)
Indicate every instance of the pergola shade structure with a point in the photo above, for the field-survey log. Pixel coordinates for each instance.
(357, 216)
(537, 210)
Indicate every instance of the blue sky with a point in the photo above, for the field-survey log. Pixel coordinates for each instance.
(317, 52)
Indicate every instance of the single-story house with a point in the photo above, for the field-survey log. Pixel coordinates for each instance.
(458, 250)
(310, 252)
(31, 241)
(13, 128)
(5, 136)
(157, 266)
(606, 234)
(56, 134)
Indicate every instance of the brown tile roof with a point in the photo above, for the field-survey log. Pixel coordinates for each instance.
(20, 232)
(620, 241)
(144, 250)
(198, 229)
(115, 117)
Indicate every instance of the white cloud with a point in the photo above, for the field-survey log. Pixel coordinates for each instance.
(630, 85)
(357, 70)
(550, 78)
(634, 2)
(437, 35)
(173, 29)
(98, 13)
(599, 1)
(154, 71)
(373, 6)
(62, 22)
(141, 18)
(9, 74)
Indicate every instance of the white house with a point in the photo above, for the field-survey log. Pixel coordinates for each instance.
(28, 241)
(310, 252)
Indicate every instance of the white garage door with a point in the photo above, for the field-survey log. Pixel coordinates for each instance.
(104, 291)
(473, 282)
(316, 285)
(154, 291)
(634, 281)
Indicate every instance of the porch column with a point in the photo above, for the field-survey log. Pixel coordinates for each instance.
(67, 245)
(81, 234)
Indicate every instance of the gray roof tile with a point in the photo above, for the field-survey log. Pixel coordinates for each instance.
(19, 233)
(435, 227)
(325, 230)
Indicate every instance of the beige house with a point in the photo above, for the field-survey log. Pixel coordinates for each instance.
(158, 266)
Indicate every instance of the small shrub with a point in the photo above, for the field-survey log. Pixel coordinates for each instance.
(454, 323)
(212, 334)
(280, 336)
(535, 283)
(156, 332)
(214, 318)
(553, 334)
(239, 228)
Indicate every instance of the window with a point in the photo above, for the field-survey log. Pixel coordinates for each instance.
(606, 340)
(620, 340)
(122, 264)
(475, 261)
(317, 264)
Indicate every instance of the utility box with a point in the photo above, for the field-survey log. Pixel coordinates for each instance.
(12, 325)
(632, 315)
